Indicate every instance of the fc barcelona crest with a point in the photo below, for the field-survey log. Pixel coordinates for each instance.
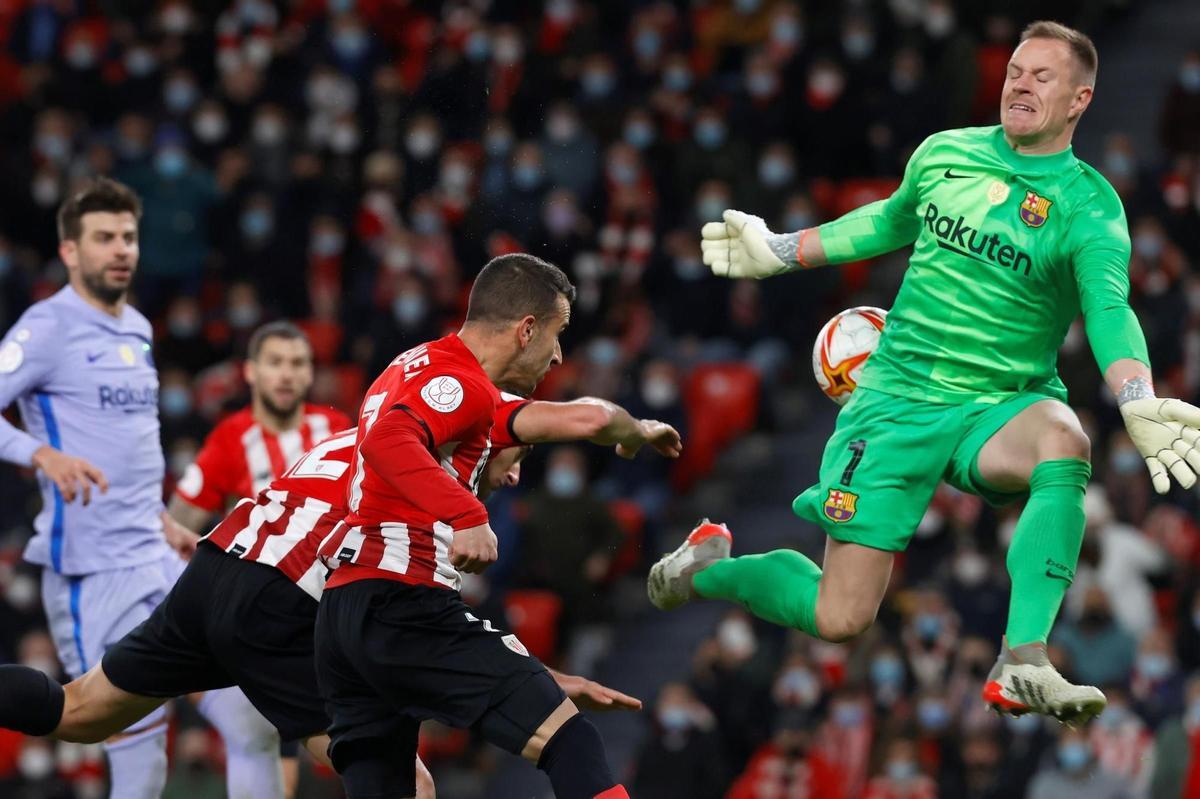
(840, 505)
(1035, 210)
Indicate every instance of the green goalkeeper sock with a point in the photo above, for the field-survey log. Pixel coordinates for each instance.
(1045, 548)
(778, 586)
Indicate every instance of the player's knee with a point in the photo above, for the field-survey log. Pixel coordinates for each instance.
(1064, 438)
(840, 625)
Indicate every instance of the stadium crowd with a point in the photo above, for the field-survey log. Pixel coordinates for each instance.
(351, 164)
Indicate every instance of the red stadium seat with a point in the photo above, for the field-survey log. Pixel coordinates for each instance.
(324, 336)
(632, 520)
(721, 401)
(533, 615)
(352, 382)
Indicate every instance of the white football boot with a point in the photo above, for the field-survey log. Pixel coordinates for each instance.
(670, 581)
(1024, 681)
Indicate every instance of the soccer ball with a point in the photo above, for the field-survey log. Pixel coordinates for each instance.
(842, 347)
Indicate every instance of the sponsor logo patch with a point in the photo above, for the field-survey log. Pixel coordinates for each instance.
(444, 394)
(840, 506)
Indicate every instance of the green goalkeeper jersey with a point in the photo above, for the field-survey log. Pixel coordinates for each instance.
(1008, 249)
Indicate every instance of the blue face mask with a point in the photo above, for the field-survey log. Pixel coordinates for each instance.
(709, 209)
(798, 221)
(901, 770)
(1189, 78)
(527, 176)
(6, 262)
(639, 135)
(176, 402)
(847, 715)
(171, 162)
(350, 43)
(564, 482)
(256, 224)
(623, 173)
(604, 352)
(933, 715)
(598, 82)
(786, 32)
(1126, 461)
(1073, 756)
(325, 245)
(774, 172)
(647, 43)
(340, 6)
(929, 626)
(1154, 666)
(479, 47)
(858, 45)
(887, 671)
(677, 79)
(427, 223)
(674, 719)
(710, 134)
(409, 309)
(180, 96)
(747, 6)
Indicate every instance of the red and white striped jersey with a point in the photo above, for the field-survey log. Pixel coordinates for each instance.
(433, 400)
(285, 525)
(240, 457)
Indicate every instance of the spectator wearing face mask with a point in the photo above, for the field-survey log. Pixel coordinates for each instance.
(732, 675)
(1157, 686)
(1122, 742)
(901, 776)
(1100, 651)
(846, 736)
(682, 757)
(568, 540)
(1179, 125)
(570, 153)
(788, 765)
(1074, 773)
(710, 154)
(178, 194)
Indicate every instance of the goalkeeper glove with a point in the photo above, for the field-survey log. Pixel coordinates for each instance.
(1165, 432)
(738, 247)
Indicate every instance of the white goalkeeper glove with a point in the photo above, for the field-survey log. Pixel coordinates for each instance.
(738, 247)
(1166, 432)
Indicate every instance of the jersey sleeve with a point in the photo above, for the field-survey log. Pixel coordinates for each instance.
(504, 434)
(1099, 247)
(209, 480)
(28, 354)
(448, 405)
(881, 226)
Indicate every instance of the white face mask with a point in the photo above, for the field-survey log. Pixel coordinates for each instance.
(36, 763)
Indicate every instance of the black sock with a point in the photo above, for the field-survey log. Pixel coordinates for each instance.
(575, 760)
(30, 702)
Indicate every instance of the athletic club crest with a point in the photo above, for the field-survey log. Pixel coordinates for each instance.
(840, 505)
(1035, 210)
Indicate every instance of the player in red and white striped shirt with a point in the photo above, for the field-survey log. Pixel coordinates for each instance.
(252, 447)
(395, 642)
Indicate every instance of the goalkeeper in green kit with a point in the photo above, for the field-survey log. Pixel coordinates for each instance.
(1012, 238)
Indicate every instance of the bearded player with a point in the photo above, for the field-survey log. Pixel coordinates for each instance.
(1013, 237)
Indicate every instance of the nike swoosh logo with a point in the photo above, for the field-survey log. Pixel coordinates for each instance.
(952, 176)
(1058, 576)
(93, 358)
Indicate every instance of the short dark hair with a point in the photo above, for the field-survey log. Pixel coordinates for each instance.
(96, 194)
(512, 286)
(1080, 43)
(281, 329)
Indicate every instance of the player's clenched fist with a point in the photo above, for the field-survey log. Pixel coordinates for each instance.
(474, 549)
(737, 247)
(72, 475)
(1167, 433)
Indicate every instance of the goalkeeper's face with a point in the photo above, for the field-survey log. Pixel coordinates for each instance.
(1043, 94)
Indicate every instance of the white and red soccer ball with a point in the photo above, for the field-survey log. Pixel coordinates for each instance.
(842, 348)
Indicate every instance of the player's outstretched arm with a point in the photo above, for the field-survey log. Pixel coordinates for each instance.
(590, 695)
(598, 421)
(1165, 431)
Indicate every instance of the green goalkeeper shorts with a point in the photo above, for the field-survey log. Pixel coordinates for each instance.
(887, 455)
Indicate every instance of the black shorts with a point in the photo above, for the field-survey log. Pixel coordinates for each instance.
(228, 622)
(390, 655)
